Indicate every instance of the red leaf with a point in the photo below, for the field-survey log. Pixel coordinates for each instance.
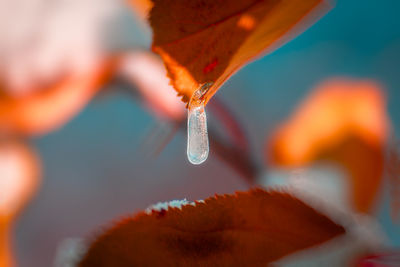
(246, 229)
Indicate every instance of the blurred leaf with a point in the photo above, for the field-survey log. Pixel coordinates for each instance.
(5, 249)
(246, 229)
(205, 41)
(141, 7)
(146, 73)
(52, 106)
(342, 121)
(19, 179)
(19, 173)
(381, 259)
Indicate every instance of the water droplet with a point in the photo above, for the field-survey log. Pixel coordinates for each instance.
(197, 146)
(197, 142)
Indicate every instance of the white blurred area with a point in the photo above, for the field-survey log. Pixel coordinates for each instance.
(326, 182)
(40, 40)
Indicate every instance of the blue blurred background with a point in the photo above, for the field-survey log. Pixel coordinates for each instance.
(95, 171)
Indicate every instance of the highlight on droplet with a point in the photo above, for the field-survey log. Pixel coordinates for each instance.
(197, 133)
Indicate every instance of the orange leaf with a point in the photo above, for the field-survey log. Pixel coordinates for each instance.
(19, 179)
(51, 107)
(205, 41)
(246, 229)
(141, 7)
(343, 121)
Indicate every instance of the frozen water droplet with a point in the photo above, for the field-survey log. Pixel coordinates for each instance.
(197, 146)
(197, 142)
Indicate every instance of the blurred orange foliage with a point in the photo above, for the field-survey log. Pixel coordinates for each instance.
(49, 108)
(247, 229)
(141, 7)
(207, 41)
(344, 121)
(19, 179)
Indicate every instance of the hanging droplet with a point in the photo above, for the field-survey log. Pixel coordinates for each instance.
(197, 142)
(197, 146)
